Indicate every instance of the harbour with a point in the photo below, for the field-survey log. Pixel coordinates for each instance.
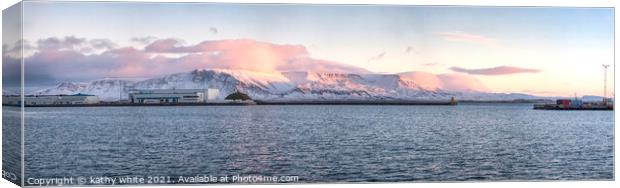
(323, 143)
(576, 104)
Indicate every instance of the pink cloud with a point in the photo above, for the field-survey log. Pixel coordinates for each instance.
(462, 82)
(155, 59)
(163, 45)
(452, 81)
(500, 70)
(465, 37)
(248, 54)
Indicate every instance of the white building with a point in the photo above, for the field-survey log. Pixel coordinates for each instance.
(160, 96)
(51, 99)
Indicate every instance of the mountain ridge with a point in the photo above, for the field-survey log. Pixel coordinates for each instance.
(297, 85)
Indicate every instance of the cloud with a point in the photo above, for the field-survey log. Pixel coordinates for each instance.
(462, 82)
(166, 46)
(458, 36)
(74, 43)
(501, 70)
(102, 44)
(377, 57)
(15, 50)
(248, 54)
(62, 59)
(143, 40)
(213, 30)
(69, 42)
(450, 82)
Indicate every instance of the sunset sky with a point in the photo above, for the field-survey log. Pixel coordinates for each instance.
(535, 50)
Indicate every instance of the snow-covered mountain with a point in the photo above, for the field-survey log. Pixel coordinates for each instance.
(290, 86)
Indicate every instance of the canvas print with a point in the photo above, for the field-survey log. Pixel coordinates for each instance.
(135, 93)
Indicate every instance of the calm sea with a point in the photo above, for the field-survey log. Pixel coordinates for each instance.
(475, 142)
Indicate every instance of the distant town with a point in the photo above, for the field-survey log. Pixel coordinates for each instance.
(211, 96)
(188, 97)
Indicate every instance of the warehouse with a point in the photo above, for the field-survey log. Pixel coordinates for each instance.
(162, 96)
(51, 99)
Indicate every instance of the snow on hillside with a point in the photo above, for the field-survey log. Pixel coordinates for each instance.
(289, 86)
(107, 89)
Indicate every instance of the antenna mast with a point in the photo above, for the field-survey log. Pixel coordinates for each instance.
(605, 83)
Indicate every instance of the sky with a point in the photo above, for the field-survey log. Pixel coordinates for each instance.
(548, 51)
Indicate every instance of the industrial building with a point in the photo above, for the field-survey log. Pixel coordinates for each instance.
(51, 99)
(162, 96)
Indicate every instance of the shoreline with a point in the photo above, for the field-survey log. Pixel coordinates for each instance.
(355, 102)
(248, 103)
(308, 102)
